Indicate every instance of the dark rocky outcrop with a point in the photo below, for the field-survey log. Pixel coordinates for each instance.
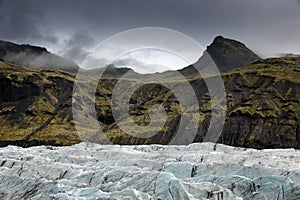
(230, 54)
(227, 54)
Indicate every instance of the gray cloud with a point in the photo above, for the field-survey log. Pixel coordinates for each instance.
(72, 28)
(20, 21)
(128, 62)
(78, 46)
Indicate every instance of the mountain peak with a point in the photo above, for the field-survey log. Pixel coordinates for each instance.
(12, 47)
(219, 38)
(229, 54)
(227, 43)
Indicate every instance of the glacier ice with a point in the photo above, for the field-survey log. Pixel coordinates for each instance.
(197, 171)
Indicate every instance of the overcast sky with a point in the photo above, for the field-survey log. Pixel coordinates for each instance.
(72, 28)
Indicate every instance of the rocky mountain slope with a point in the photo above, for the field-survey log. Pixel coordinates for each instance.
(230, 54)
(35, 102)
(227, 54)
(263, 106)
(34, 57)
(198, 171)
(262, 100)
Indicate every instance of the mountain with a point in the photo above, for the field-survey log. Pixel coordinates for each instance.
(262, 100)
(34, 57)
(290, 55)
(109, 71)
(35, 102)
(227, 54)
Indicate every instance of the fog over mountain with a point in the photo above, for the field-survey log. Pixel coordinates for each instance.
(265, 27)
(34, 57)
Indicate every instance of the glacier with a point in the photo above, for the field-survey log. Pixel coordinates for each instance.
(197, 171)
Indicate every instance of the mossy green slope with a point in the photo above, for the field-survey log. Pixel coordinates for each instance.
(263, 106)
(36, 106)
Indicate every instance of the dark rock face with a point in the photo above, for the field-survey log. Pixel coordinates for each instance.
(10, 91)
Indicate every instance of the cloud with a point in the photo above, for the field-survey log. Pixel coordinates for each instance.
(73, 28)
(19, 20)
(128, 62)
(78, 46)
